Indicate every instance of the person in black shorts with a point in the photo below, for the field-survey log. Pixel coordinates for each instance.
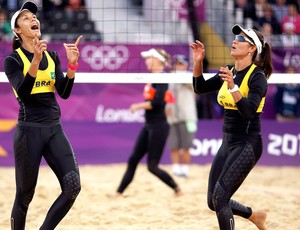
(35, 74)
(242, 90)
(153, 136)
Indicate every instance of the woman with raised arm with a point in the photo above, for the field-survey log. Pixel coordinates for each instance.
(241, 90)
(34, 74)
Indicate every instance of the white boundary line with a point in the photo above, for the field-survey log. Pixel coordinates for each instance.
(276, 78)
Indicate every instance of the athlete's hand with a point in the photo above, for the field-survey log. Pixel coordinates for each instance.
(133, 107)
(72, 51)
(198, 51)
(39, 47)
(227, 75)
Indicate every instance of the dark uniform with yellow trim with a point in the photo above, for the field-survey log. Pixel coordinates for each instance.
(242, 142)
(152, 138)
(39, 134)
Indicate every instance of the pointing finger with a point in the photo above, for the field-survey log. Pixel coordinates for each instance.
(78, 40)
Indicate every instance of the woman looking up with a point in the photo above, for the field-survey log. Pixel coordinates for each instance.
(34, 74)
(242, 90)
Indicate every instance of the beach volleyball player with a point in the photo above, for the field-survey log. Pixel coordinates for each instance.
(35, 74)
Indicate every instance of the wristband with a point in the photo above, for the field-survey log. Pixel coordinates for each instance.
(234, 89)
(73, 67)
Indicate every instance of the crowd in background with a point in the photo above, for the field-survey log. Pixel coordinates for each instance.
(48, 8)
(278, 20)
(45, 5)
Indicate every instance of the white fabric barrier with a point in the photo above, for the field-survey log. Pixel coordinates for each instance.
(276, 78)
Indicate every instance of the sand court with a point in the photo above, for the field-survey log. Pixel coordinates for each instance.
(148, 204)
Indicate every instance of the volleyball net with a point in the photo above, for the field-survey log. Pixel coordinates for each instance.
(97, 78)
(115, 32)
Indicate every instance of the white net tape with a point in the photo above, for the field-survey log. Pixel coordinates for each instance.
(276, 78)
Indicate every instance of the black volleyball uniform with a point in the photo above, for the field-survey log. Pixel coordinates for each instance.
(39, 134)
(151, 139)
(242, 142)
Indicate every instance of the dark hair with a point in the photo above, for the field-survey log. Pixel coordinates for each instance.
(264, 61)
(16, 42)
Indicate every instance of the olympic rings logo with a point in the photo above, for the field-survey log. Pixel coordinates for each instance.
(105, 57)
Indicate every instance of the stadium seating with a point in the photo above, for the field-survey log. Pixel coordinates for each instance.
(67, 26)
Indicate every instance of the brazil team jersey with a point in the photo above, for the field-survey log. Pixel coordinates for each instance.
(36, 96)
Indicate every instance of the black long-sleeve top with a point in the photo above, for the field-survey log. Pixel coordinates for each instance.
(40, 107)
(157, 113)
(245, 119)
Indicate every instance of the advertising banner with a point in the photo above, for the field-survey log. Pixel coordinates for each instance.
(125, 58)
(105, 143)
(285, 57)
(104, 58)
(102, 130)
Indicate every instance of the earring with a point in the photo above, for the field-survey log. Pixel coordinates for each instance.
(249, 53)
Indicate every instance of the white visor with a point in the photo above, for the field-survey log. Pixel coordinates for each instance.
(153, 53)
(30, 6)
(237, 29)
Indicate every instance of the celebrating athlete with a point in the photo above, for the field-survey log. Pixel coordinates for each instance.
(34, 74)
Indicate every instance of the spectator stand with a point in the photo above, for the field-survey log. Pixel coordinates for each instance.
(66, 26)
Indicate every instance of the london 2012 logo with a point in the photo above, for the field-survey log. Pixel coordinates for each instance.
(105, 57)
